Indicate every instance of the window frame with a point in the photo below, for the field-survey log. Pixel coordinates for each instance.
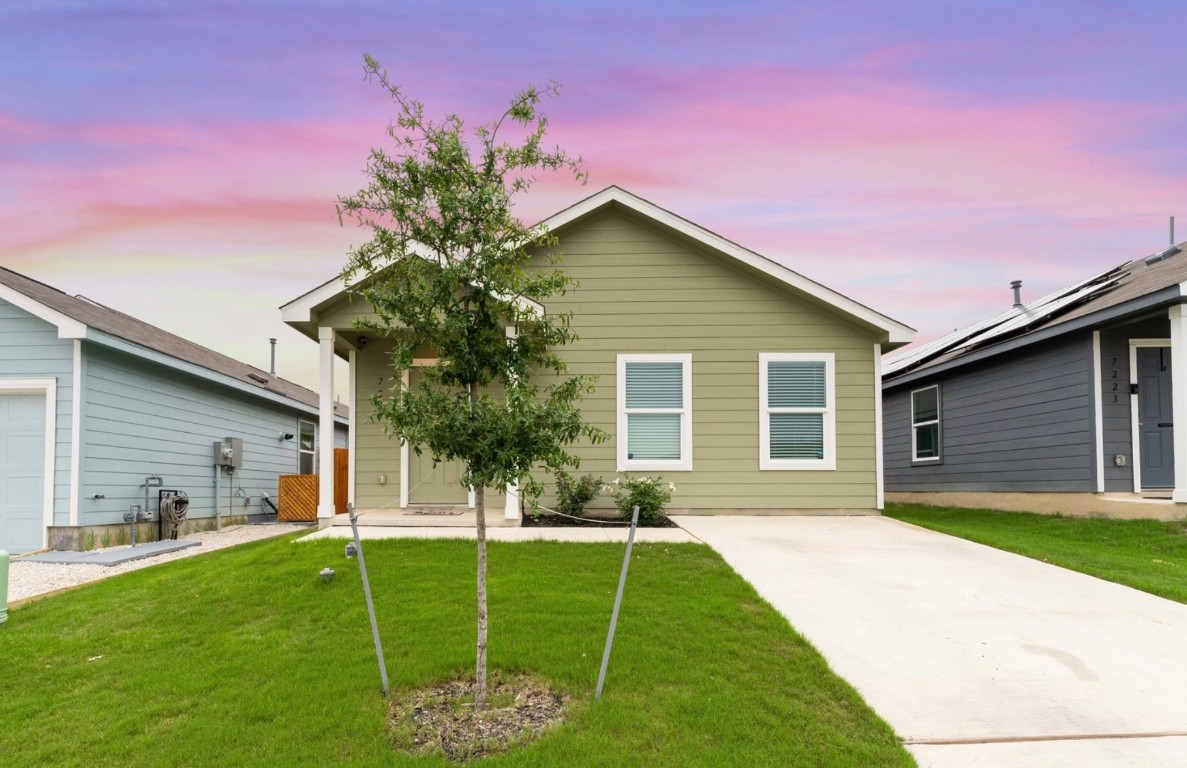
(938, 421)
(829, 461)
(302, 452)
(684, 463)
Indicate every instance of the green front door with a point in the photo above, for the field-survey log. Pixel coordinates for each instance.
(429, 484)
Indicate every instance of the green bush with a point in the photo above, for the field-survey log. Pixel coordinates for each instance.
(650, 494)
(572, 495)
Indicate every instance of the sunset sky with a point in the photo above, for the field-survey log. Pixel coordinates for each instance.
(180, 161)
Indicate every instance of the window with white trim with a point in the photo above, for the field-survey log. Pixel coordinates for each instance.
(797, 411)
(655, 412)
(925, 424)
(306, 448)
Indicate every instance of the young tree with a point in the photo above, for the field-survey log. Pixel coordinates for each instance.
(448, 268)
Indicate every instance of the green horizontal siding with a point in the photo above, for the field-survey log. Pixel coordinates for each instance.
(642, 291)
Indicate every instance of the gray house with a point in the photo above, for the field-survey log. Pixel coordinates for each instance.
(1062, 404)
(93, 403)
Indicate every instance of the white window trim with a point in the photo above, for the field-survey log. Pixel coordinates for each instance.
(313, 426)
(684, 463)
(915, 459)
(829, 462)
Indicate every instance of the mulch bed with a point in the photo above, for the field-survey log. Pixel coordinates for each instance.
(546, 520)
(442, 719)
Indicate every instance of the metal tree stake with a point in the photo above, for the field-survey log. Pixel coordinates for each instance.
(626, 561)
(370, 604)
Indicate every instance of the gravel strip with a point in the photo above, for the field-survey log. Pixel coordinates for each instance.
(30, 579)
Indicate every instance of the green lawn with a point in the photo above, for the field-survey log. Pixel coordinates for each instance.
(1144, 554)
(244, 657)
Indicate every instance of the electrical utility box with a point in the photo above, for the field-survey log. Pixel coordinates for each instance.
(228, 452)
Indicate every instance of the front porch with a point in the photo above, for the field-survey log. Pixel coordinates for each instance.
(426, 516)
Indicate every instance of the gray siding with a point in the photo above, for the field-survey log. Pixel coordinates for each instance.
(1022, 423)
(142, 419)
(30, 348)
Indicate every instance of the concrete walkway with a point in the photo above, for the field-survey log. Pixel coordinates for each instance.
(976, 657)
(607, 534)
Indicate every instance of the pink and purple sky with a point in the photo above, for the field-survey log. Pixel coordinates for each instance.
(180, 161)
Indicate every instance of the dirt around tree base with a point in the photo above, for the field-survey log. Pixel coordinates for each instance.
(442, 720)
(546, 520)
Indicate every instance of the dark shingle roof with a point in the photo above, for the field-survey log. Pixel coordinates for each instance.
(1110, 289)
(128, 328)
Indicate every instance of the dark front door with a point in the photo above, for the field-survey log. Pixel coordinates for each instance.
(1155, 417)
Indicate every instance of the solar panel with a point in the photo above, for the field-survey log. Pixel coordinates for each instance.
(1013, 319)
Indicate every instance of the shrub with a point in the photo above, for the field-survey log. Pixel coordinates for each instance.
(650, 494)
(572, 495)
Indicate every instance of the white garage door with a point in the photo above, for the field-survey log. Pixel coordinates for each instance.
(22, 472)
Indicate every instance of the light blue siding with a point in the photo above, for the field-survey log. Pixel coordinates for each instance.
(142, 419)
(30, 348)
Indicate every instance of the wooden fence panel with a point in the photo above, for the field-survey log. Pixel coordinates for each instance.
(298, 498)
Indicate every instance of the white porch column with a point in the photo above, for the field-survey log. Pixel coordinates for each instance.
(351, 442)
(325, 467)
(511, 505)
(405, 454)
(1178, 320)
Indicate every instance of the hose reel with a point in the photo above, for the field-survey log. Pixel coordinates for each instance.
(174, 509)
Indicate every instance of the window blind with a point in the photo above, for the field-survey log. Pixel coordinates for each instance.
(654, 385)
(796, 384)
(653, 436)
(797, 435)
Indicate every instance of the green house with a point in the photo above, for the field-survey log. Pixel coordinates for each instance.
(750, 387)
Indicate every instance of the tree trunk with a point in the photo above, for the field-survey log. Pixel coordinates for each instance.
(480, 515)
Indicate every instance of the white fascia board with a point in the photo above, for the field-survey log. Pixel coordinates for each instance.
(303, 308)
(113, 342)
(68, 327)
(897, 333)
(300, 309)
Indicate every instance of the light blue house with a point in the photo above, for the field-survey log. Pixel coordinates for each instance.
(94, 403)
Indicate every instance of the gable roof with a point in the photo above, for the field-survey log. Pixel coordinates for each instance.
(76, 317)
(1136, 286)
(301, 313)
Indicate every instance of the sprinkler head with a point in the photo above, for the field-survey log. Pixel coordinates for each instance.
(327, 574)
(352, 550)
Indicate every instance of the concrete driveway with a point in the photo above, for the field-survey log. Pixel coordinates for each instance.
(976, 657)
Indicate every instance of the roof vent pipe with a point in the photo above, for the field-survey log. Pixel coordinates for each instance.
(1017, 286)
(272, 370)
(1172, 230)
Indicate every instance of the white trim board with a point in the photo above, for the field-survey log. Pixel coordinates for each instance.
(75, 433)
(68, 327)
(879, 470)
(1098, 416)
(1135, 433)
